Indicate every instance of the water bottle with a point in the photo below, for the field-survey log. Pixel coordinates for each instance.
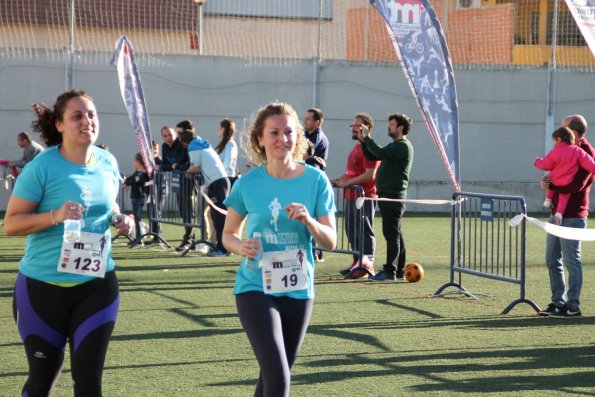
(72, 230)
(255, 263)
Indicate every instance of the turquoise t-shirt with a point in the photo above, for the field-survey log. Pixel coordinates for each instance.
(262, 198)
(50, 180)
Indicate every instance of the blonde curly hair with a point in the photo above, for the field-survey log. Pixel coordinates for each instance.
(254, 151)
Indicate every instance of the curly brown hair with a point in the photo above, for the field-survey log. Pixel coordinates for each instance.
(256, 153)
(46, 118)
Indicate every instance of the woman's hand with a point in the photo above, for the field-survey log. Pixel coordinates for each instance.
(249, 247)
(322, 228)
(299, 212)
(68, 210)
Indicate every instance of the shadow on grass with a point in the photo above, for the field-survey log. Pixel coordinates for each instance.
(488, 323)
(124, 268)
(147, 286)
(11, 258)
(409, 308)
(198, 333)
(478, 361)
(439, 377)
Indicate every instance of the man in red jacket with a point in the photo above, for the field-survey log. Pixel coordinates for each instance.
(559, 251)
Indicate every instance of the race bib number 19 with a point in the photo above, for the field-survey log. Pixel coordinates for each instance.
(284, 271)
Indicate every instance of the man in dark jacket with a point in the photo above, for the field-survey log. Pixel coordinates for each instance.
(392, 181)
(174, 157)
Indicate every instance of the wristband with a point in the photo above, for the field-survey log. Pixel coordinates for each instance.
(52, 218)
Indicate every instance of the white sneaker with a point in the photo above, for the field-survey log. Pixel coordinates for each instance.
(202, 248)
(547, 203)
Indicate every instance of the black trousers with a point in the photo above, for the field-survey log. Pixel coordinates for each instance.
(49, 316)
(276, 327)
(218, 191)
(352, 223)
(392, 213)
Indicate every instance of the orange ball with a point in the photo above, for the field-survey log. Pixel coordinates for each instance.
(414, 272)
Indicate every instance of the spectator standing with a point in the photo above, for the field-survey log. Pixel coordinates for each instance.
(313, 130)
(392, 181)
(360, 171)
(205, 160)
(559, 252)
(313, 120)
(563, 162)
(30, 150)
(227, 148)
(174, 158)
(137, 184)
(153, 209)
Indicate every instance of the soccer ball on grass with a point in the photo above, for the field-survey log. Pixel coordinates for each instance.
(414, 272)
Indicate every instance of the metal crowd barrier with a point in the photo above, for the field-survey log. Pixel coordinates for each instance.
(7, 179)
(121, 201)
(484, 244)
(351, 218)
(178, 201)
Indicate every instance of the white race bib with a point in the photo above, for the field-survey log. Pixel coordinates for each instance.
(284, 271)
(87, 257)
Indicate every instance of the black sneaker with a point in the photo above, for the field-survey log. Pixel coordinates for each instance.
(183, 245)
(551, 309)
(383, 276)
(567, 312)
(344, 272)
(135, 243)
(152, 241)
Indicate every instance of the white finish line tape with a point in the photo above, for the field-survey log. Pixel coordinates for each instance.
(359, 202)
(569, 233)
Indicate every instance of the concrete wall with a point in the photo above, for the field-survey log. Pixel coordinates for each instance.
(502, 113)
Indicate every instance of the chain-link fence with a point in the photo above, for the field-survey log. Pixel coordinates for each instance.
(481, 34)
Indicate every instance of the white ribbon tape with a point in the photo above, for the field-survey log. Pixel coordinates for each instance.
(359, 202)
(209, 201)
(568, 233)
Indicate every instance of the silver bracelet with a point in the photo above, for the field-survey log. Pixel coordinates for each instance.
(52, 218)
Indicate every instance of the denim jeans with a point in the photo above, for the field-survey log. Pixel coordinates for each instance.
(560, 251)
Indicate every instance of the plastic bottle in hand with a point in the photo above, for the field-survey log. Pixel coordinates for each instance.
(255, 263)
(72, 230)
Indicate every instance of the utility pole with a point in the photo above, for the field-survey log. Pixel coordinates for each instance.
(71, 57)
(199, 27)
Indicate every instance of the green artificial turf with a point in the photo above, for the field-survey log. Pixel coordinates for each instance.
(178, 333)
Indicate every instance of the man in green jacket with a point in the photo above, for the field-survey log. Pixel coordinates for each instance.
(392, 181)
